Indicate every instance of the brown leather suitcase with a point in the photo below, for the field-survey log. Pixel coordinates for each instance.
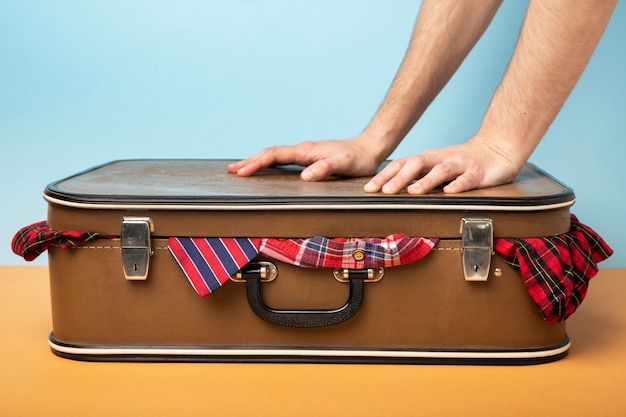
(126, 298)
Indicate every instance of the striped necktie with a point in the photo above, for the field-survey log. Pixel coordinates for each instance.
(209, 262)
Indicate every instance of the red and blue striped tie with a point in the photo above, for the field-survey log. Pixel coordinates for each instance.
(209, 262)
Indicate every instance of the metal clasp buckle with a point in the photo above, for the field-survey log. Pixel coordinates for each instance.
(476, 248)
(136, 247)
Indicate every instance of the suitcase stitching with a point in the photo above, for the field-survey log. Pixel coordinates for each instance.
(107, 247)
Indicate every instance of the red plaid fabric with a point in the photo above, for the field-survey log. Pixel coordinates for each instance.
(352, 253)
(31, 241)
(556, 270)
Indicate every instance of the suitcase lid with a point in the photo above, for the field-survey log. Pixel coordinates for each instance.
(206, 185)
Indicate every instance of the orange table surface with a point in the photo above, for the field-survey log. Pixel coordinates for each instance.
(590, 381)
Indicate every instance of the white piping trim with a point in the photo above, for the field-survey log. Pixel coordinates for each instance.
(286, 207)
(165, 352)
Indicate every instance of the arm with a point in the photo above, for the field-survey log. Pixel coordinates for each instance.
(444, 33)
(555, 44)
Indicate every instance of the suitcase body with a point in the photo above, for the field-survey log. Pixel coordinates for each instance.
(448, 307)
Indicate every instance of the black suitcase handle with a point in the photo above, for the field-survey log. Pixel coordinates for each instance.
(305, 318)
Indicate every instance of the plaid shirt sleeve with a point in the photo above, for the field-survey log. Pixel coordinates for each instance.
(556, 270)
(31, 241)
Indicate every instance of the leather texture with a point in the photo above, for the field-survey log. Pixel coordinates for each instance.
(427, 304)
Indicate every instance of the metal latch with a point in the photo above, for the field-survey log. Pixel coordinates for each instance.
(136, 247)
(477, 248)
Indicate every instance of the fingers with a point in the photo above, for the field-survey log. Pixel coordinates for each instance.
(320, 169)
(421, 174)
(345, 161)
(465, 182)
(236, 166)
(391, 179)
(463, 168)
(244, 168)
(439, 174)
(383, 177)
(276, 155)
(401, 174)
(320, 159)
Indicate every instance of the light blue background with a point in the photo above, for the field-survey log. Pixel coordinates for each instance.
(86, 82)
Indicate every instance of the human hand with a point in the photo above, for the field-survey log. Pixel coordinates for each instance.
(348, 157)
(477, 163)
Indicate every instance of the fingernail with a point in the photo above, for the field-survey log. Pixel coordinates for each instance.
(370, 187)
(243, 171)
(388, 189)
(306, 175)
(415, 188)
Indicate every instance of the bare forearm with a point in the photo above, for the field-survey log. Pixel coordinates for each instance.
(555, 44)
(444, 33)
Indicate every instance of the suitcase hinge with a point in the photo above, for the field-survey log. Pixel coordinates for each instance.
(477, 248)
(136, 247)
